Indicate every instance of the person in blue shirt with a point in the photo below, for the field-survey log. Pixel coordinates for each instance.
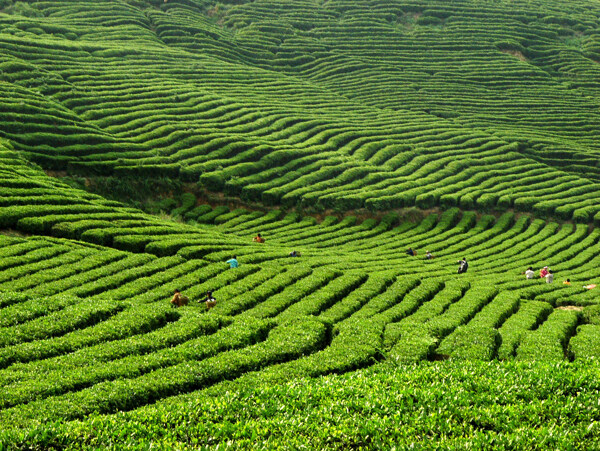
(233, 263)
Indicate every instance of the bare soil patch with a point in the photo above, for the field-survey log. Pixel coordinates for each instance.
(570, 307)
(56, 174)
(13, 233)
(439, 357)
(517, 54)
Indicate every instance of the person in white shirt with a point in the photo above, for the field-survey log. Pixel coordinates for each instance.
(549, 277)
(529, 274)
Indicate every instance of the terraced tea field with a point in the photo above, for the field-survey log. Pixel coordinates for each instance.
(86, 328)
(487, 106)
(344, 132)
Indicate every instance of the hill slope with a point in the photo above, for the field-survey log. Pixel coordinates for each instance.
(466, 106)
(86, 330)
(486, 105)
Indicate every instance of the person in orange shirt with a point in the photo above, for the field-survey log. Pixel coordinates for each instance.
(179, 300)
(258, 238)
(567, 282)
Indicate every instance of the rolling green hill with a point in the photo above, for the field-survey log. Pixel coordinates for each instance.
(484, 105)
(86, 330)
(320, 125)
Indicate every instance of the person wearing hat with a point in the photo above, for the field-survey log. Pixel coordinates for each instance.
(544, 272)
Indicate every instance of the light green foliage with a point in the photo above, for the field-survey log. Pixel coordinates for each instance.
(92, 332)
(441, 405)
(348, 132)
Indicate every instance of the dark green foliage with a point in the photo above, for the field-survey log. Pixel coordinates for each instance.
(198, 211)
(295, 108)
(187, 202)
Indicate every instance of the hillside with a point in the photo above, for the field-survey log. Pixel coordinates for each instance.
(86, 329)
(483, 105)
(345, 131)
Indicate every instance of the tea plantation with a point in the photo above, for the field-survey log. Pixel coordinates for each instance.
(344, 131)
